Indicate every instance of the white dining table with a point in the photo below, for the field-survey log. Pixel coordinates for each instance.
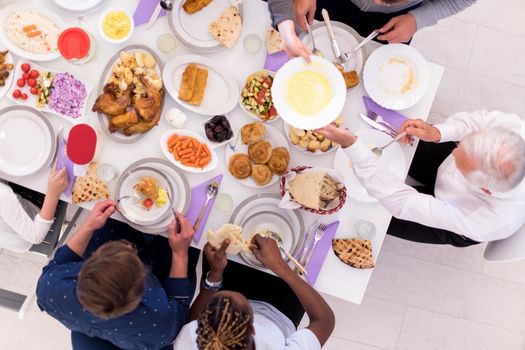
(335, 278)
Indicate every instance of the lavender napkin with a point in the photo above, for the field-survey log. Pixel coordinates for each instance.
(198, 199)
(319, 255)
(63, 161)
(275, 61)
(145, 10)
(392, 117)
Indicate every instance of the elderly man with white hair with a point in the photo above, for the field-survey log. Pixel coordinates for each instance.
(474, 190)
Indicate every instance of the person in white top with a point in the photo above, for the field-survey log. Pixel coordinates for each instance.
(474, 190)
(22, 224)
(228, 320)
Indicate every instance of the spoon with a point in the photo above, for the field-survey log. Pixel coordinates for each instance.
(211, 192)
(167, 5)
(378, 151)
(278, 240)
(316, 51)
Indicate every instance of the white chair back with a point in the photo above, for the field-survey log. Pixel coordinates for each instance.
(508, 249)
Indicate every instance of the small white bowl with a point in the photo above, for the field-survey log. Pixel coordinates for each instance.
(218, 144)
(101, 20)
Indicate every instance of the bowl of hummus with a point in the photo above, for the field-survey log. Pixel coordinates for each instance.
(116, 25)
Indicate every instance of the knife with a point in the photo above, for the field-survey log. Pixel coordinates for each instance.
(377, 126)
(154, 16)
(335, 47)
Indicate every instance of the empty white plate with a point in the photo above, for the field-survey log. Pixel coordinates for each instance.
(27, 141)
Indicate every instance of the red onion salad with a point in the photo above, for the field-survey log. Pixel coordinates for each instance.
(67, 96)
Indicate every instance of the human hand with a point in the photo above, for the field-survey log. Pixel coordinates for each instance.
(267, 252)
(399, 29)
(291, 43)
(57, 181)
(100, 214)
(217, 258)
(344, 137)
(421, 130)
(304, 11)
(180, 241)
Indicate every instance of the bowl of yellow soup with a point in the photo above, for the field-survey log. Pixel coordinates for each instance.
(309, 95)
(116, 25)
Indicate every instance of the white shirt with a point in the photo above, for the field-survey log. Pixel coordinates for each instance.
(268, 335)
(18, 231)
(457, 205)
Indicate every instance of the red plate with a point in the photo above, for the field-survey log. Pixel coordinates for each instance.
(81, 144)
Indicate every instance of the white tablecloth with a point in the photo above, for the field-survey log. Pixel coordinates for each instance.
(336, 278)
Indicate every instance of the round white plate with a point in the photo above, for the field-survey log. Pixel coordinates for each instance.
(384, 77)
(102, 118)
(280, 91)
(6, 11)
(250, 113)
(268, 204)
(135, 212)
(164, 147)
(32, 99)
(9, 80)
(275, 137)
(304, 150)
(181, 190)
(27, 141)
(192, 31)
(347, 39)
(220, 95)
(392, 158)
(76, 7)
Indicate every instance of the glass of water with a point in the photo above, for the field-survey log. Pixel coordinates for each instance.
(252, 43)
(365, 229)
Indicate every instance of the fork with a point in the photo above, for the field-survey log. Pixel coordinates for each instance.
(378, 119)
(342, 59)
(317, 237)
(315, 50)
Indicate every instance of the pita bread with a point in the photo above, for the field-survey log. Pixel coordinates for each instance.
(89, 187)
(227, 28)
(354, 252)
(227, 231)
(273, 41)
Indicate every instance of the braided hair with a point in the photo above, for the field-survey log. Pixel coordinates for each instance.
(222, 326)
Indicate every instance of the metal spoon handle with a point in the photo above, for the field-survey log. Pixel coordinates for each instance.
(395, 139)
(201, 215)
(365, 41)
(294, 261)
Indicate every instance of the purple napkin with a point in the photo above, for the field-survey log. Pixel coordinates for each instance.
(63, 161)
(198, 198)
(392, 117)
(275, 61)
(145, 10)
(319, 254)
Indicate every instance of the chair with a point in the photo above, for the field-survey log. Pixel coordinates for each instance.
(508, 249)
(18, 302)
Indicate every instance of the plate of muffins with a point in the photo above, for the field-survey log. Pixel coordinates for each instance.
(259, 157)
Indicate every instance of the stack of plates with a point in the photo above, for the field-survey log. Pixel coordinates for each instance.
(27, 141)
(76, 7)
(260, 213)
(155, 220)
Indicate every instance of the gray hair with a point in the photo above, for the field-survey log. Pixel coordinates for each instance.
(499, 154)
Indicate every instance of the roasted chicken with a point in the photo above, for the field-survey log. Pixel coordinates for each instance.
(112, 102)
(148, 103)
(143, 126)
(124, 120)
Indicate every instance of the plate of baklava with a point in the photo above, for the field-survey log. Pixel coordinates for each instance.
(201, 85)
(259, 156)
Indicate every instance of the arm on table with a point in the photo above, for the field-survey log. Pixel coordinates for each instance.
(322, 319)
(431, 11)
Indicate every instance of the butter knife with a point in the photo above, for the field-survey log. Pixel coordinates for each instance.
(154, 16)
(378, 126)
(335, 47)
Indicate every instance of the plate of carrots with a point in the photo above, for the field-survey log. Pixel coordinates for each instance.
(188, 151)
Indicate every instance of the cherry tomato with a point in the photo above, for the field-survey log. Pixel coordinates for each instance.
(34, 74)
(31, 82)
(25, 76)
(23, 96)
(148, 203)
(17, 93)
(260, 95)
(34, 90)
(21, 82)
(26, 67)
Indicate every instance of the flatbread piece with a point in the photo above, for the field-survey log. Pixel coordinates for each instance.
(227, 28)
(89, 187)
(355, 252)
(273, 41)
